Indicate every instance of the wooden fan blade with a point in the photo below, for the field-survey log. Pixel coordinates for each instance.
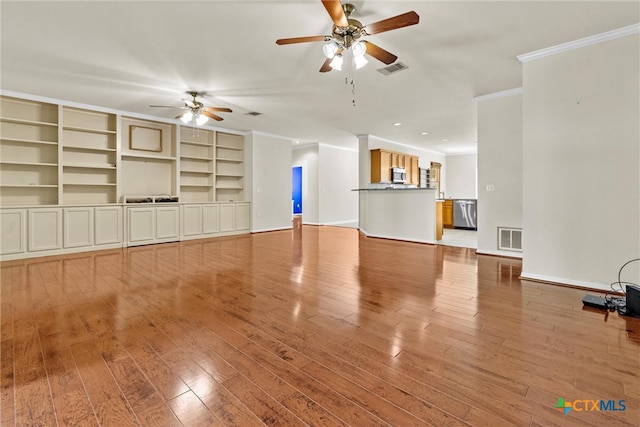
(213, 116)
(326, 67)
(334, 7)
(379, 53)
(404, 20)
(221, 109)
(301, 40)
(179, 116)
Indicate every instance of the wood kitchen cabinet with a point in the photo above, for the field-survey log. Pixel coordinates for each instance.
(383, 160)
(447, 214)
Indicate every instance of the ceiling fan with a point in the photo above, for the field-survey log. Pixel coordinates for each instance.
(196, 111)
(346, 34)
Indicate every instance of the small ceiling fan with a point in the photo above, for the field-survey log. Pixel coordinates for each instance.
(196, 111)
(346, 34)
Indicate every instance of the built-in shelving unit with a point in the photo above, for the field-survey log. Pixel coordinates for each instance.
(149, 161)
(75, 178)
(28, 152)
(196, 165)
(89, 157)
(229, 168)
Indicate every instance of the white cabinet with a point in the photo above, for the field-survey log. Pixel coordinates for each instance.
(108, 225)
(13, 237)
(192, 220)
(210, 219)
(227, 217)
(78, 227)
(243, 216)
(152, 224)
(44, 229)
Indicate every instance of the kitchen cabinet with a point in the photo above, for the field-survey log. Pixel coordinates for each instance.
(383, 160)
(447, 214)
(439, 224)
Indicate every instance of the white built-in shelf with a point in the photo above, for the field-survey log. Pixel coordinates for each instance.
(228, 147)
(200, 144)
(75, 147)
(29, 164)
(233, 175)
(29, 141)
(228, 187)
(221, 159)
(147, 156)
(89, 166)
(90, 130)
(196, 185)
(29, 185)
(27, 122)
(194, 171)
(196, 158)
(83, 184)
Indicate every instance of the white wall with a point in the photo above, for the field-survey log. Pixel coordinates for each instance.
(338, 176)
(270, 183)
(500, 166)
(461, 176)
(307, 157)
(581, 151)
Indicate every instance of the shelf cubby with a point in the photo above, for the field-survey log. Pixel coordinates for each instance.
(229, 169)
(196, 165)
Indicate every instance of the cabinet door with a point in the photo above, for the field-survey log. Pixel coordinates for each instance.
(167, 222)
(12, 239)
(227, 217)
(415, 171)
(45, 229)
(78, 227)
(376, 166)
(385, 166)
(108, 225)
(210, 219)
(141, 225)
(243, 216)
(192, 220)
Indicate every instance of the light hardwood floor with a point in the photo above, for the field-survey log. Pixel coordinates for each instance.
(311, 326)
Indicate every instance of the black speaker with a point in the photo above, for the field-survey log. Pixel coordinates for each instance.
(633, 300)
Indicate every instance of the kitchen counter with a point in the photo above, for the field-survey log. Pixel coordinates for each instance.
(407, 214)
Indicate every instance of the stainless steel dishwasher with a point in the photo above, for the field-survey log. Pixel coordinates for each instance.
(464, 214)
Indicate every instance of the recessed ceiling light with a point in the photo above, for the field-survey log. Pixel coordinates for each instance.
(424, 133)
(297, 142)
(444, 140)
(397, 124)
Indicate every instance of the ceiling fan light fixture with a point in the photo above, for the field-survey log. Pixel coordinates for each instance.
(358, 48)
(336, 64)
(186, 117)
(201, 119)
(329, 49)
(360, 61)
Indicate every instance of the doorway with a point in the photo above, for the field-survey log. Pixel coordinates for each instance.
(296, 189)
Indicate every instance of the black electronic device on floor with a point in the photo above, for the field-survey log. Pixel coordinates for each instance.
(632, 306)
(594, 302)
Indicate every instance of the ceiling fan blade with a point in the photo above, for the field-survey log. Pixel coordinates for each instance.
(379, 53)
(326, 67)
(301, 40)
(334, 7)
(224, 110)
(404, 20)
(213, 116)
(190, 104)
(179, 116)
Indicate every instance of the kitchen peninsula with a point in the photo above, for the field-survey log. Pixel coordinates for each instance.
(406, 213)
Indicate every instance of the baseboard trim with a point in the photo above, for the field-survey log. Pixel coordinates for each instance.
(265, 230)
(565, 282)
(505, 254)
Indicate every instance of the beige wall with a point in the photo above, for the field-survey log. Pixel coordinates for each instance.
(581, 163)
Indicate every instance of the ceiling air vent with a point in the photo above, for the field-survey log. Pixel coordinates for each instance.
(393, 68)
(253, 113)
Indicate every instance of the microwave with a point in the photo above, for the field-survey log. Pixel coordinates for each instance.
(398, 175)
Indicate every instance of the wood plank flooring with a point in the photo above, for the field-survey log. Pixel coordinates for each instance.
(310, 326)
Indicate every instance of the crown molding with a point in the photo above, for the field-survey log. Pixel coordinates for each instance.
(501, 94)
(576, 44)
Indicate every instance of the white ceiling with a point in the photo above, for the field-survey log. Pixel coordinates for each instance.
(128, 55)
